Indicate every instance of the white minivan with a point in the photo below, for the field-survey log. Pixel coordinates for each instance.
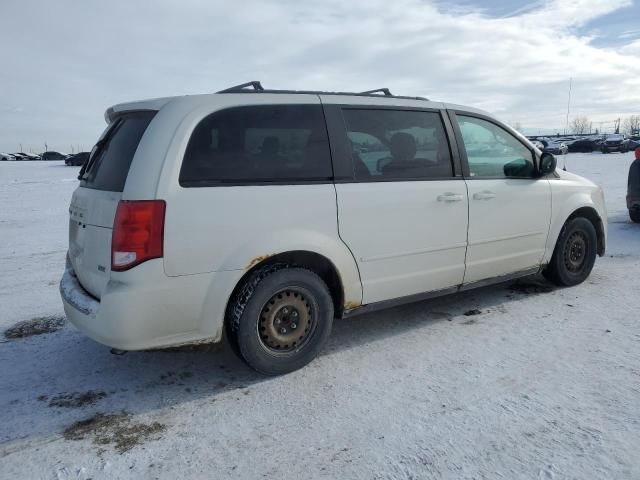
(265, 214)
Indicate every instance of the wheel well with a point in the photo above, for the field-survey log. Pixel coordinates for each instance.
(315, 262)
(591, 215)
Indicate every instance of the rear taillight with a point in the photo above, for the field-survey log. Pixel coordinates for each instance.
(138, 232)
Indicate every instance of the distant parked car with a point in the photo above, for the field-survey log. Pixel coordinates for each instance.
(28, 156)
(633, 189)
(53, 156)
(556, 148)
(633, 143)
(566, 140)
(6, 157)
(19, 156)
(615, 143)
(77, 160)
(584, 145)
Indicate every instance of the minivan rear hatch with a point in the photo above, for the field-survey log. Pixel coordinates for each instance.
(94, 203)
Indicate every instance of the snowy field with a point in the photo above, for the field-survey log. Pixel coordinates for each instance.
(542, 383)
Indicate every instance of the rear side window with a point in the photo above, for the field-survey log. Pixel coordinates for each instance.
(397, 145)
(258, 144)
(110, 159)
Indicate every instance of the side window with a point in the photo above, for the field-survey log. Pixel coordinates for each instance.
(256, 144)
(492, 151)
(397, 144)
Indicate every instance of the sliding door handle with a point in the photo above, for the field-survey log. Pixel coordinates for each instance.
(450, 197)
(486, 195)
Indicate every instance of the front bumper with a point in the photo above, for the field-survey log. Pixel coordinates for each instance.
(613, 148)
(143, 308)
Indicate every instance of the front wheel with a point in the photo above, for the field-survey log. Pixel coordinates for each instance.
(634, 214)
(575, 253)
(280, 319)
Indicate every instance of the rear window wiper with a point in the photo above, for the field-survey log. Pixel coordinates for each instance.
(90, 160)
(97, 149)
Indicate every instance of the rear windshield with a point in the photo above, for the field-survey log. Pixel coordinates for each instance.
(110, 159)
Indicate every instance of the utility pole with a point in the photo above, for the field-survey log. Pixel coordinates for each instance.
(566, 128)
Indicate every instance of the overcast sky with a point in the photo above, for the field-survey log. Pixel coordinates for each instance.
(62, 63)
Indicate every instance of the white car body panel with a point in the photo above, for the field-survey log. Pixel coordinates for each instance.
(569, 193)
(422, 249)
(242, 230)
(508, 226)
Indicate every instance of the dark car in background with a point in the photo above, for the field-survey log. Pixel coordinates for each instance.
(615, 143)
(585, 144)
(77, 160)
(51, 155)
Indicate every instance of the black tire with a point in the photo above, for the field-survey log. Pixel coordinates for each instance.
(574, 254)
(634, 215)
(295, 299)
(236, 306)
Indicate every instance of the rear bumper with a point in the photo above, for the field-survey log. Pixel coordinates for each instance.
(76, 297)
(143, 308)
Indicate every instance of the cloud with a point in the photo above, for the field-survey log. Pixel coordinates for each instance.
(63, 63)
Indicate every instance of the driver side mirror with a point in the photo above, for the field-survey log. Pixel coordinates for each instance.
(548, 164)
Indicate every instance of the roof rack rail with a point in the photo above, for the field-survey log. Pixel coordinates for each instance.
(257, 86)
(385, 91)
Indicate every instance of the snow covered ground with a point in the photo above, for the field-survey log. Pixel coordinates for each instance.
(543, 383)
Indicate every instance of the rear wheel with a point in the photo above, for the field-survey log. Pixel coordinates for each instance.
(634, 214)
(280, 319)
(575, 253)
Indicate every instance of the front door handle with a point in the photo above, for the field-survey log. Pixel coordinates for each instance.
(450, 197)
(486, 195)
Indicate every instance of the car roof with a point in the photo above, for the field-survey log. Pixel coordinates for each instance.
(248, 93)
(155, 104)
